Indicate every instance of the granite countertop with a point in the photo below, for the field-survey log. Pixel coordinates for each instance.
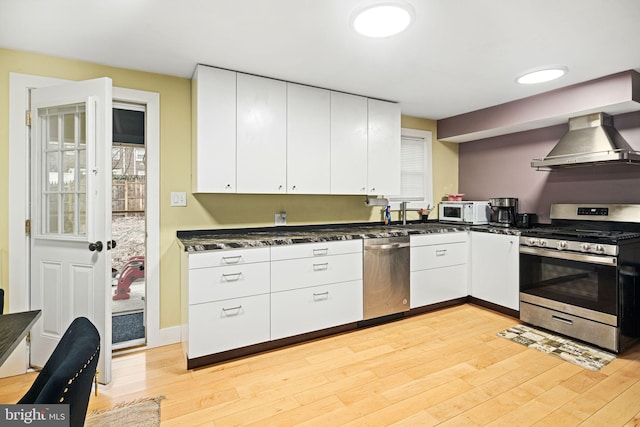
(220, 239)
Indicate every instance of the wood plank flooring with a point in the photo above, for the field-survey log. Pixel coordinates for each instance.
(445, 368)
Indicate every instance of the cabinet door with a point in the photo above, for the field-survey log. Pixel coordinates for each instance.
(495, 261)
(214, 147)
(261, 135)
(348, 144)
(225, 325)
(438, 284)
(308, 133)
(310, 309)
(383, 148)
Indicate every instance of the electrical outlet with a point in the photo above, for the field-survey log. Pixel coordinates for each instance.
(281, 218)
(178, 198)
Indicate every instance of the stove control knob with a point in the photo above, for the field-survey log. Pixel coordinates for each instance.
(542, 243)
(599, 249)
(532, 241)
(562, 245)
(585, 247)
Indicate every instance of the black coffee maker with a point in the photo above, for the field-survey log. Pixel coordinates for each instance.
(504, 211)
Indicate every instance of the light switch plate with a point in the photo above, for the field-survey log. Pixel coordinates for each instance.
(178, 198)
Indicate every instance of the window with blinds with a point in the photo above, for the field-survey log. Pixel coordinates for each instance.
(415, 169)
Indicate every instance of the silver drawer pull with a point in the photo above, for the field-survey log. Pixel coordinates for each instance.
(320, 252)
(232, 277)
(320, 295)
(562, 319)
(232, 259)
(441, 252)
(321, 267)
(232, 311)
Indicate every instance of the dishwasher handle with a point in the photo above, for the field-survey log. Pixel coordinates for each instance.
(386, 247)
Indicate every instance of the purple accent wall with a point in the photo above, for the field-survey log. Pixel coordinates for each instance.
(500, 167)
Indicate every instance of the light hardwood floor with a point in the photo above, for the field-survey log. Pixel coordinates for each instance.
(443, 368)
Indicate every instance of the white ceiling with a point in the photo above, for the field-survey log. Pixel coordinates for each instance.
(458, 56)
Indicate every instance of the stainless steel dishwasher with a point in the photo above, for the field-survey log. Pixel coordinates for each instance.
(386, 276)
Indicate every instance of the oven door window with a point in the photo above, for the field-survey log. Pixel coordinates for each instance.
(581, 284)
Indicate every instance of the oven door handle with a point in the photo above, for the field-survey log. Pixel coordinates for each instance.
(593, 259)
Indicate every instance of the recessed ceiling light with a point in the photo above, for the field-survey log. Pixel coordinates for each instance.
(541, 75)
(382, 18)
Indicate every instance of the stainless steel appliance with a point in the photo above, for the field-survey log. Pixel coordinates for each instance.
(591, 139)
(503, 211)
(465, 212)
(386, 276)
(580, 275)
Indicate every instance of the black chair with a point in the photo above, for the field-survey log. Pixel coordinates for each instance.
(68, 374)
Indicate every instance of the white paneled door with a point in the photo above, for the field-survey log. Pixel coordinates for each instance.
(71, 130)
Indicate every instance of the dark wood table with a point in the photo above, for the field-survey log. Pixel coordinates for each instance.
(13, 328)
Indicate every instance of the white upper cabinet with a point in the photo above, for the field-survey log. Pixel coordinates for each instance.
(348, 144)
(383, 155)
(261, 135)
(308, 140)
(214, 150)
(258, 135)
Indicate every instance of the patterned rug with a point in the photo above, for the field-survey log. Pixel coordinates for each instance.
(577, 353)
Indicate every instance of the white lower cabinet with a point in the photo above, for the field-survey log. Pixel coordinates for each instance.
(224, 325)
(495, 263)
(439, 268)
(313, 308)
(315, 286)
(225, 298)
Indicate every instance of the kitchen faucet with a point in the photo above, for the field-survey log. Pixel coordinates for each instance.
(403, 207)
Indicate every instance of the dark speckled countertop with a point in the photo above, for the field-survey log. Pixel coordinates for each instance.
(219, 239)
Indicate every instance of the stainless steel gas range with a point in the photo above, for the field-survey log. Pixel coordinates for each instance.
(580, 275)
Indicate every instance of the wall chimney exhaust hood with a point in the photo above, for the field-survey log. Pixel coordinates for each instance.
(591, 140)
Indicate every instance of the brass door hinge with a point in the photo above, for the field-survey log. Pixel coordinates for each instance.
(27, 227)
(28, 118)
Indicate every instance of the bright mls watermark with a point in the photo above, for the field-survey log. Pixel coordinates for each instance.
(34, 415)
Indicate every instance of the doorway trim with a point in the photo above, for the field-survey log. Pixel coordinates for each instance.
(19, 85)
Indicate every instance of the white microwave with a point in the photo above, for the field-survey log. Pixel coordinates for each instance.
(465, 212)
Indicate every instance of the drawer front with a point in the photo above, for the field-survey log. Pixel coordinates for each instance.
(438, 285)
(225, 325)
(439, 238)
(316, 250)
(311, 309)
(306, 272)
(424, 257)
(235, 281)
(228, 257)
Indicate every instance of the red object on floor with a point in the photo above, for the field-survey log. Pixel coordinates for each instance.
(132, 271)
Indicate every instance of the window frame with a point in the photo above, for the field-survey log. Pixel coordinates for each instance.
(427, 136)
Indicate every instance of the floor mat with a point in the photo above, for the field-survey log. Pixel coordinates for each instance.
(577, 353)
(127, 327)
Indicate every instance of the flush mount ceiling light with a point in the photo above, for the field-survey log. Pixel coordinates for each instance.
(382, 19)
(541, 75)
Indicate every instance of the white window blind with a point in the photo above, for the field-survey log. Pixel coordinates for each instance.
(415, 169)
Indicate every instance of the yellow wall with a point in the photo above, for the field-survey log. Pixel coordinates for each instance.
(203, 211)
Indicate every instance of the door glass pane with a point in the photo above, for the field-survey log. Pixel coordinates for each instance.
(52, 172)
(64, 179)
(69, 209)
(82, 171)
(51, 204)
(69, 130)
(82, 134)
(51, 126)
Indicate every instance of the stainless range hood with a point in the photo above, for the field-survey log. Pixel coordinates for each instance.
(591, 140)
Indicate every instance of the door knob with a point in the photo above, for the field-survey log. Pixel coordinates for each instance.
(111, 244)
(97, 246)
